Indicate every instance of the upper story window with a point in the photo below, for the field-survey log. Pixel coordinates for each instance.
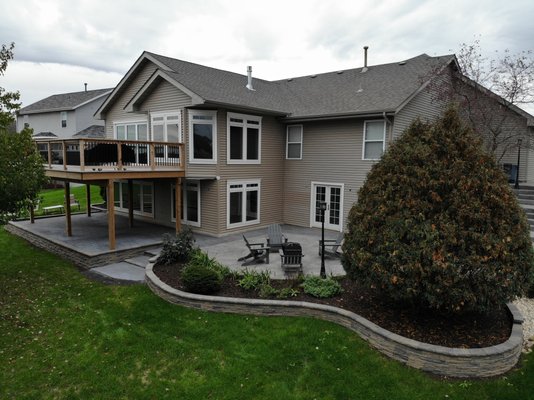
(202, 137)
(244, 139)
(294, 142)
(131, 131)
(374, 139)
(63, 115)
(167, 127)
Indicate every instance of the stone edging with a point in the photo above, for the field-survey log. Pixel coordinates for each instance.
(447, 361)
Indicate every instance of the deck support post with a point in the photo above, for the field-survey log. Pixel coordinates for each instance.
(32, 214)
(178, 204)
(111, 214)
(88, 198)
(67, 208)
(130, 204)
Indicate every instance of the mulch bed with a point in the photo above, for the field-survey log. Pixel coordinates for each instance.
(465, 331)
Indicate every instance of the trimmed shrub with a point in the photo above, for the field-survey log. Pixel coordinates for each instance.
(437, 225)
(321, 287)
(200, 279)
(177, 248)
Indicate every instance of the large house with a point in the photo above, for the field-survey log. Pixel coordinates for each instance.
(64, 115)
(224, 152)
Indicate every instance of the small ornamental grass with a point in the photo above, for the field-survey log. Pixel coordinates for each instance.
(437, 225)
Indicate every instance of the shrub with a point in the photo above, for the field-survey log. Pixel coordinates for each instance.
(266, 291)
(176, 248)
(252, 280)
(200, 258)
(200, 279)
(286, 293)
(437, 225)
(321, 287)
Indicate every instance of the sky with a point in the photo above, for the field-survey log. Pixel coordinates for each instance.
(62, 44)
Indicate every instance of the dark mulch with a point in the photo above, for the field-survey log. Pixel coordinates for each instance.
(465, 331)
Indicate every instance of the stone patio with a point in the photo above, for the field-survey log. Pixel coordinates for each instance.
(88, 246)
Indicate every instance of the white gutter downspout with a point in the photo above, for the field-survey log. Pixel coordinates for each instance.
(390, 133)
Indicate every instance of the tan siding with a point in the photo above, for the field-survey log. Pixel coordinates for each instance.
(165, 97)
(116, 111)
(332, 153)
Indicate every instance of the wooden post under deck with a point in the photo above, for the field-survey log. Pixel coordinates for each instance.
(178, 204)
(32, 214)
(67, 208)
(88, 198)
(111, 214)
(130, 203)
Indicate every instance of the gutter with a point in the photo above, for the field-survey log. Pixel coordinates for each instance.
(330, 117)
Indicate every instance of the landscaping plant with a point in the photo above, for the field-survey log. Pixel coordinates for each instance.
(437, 225)
(321, 287)
(200, 279)
(177, 248)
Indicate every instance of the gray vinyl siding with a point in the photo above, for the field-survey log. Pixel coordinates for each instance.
(51, 122)
(331, 153)
(85, 114)
(165, 97)
(116, 110)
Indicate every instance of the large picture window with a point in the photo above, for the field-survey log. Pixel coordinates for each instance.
(190, 212)
(374, 139)
(202, 137)
(244, 139)
(143, 197)
(243, 203)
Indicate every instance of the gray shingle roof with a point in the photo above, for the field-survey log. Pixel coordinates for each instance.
(381, 88)
(93, 132)
(63, 101)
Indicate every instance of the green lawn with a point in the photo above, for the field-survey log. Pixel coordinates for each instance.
(64, 336)
(53, 197)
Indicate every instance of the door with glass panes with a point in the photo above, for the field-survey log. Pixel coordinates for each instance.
(332, 194)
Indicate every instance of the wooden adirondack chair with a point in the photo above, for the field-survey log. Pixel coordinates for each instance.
(257, 253)
(331, 246)
(291, 257)
(275, 237)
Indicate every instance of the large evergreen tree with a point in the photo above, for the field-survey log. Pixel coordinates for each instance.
(437, 225)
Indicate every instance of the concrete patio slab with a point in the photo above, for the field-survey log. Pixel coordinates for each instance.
(123, 271)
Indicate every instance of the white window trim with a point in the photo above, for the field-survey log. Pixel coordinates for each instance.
(244, 117)
(164, 115)
(244, 189)
(288, 142)
(142, 213)
(61, 119)
(373, 141)
(184, 203)
(133, 122)
(213, 114)
(312, 202)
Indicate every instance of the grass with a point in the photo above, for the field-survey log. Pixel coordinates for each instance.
(53, 197)
(64, 336)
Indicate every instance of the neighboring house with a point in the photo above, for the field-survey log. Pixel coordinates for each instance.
(254, 152)
(63, 115)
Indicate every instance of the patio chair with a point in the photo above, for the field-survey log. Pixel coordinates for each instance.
(275, 237)
(257, 253)
(74, 202)
(291, 257)
(331, 246)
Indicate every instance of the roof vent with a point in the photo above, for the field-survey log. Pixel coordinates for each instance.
(313, 76)
(249, 74)
(364, 69)
(402, 63)
(339, 72)
(290, 80)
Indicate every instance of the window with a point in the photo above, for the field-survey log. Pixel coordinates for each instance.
(294, 142)
(203, 137)
(143, 197)
(131, 131)
(63, 115)
(374, 139)
(243, 203)
(190, 213)
(244, 139)
(167, 127)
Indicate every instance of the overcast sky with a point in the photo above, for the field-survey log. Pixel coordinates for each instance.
(60, 44)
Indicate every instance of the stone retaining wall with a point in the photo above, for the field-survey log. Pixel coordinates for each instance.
(82, 260)
(454, 362)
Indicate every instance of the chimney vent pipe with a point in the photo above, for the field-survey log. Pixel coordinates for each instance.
(364, 69)
(249, 74)
(85, 84)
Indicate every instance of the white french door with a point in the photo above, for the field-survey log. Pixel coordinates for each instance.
(332, 194)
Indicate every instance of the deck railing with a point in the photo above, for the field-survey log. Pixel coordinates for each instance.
(99, 154)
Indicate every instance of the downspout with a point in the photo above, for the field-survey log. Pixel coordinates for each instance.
(390, 126)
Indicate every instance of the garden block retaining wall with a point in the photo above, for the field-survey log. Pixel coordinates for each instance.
(453, 362)
(82, 260)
